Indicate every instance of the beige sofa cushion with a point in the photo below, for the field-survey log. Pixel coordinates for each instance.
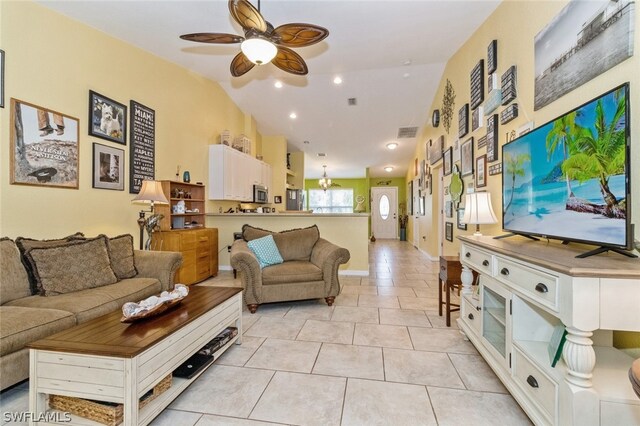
(92, 303)
(26, 244)
(121, 254)
(293, 271)
(21, 325)
(294, 244)
(14, 282)
(72, 266)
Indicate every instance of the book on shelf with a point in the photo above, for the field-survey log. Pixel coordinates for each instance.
(556, 343)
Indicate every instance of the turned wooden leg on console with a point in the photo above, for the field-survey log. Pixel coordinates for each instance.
(252, 308)
(330, 300)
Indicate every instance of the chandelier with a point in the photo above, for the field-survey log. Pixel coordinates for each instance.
(324, 181)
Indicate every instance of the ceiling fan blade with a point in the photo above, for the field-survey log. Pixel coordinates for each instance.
(289, 61)
(219, 38)
(241, 65)
(247, 16)
(300, 35)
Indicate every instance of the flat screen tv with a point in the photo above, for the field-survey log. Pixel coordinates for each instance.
(569, 178)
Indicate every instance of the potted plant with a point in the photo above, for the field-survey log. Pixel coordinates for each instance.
(403, 219)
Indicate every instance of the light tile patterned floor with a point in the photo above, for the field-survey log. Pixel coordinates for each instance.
(380, 356)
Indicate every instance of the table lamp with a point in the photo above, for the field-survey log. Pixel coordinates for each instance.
(151, 192)
(478, 210)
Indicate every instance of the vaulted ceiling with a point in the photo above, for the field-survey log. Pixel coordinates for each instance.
(390, 55)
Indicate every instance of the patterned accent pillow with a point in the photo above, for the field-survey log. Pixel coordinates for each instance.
(121, 254)
(266, 251)
(76, 265)
(26, 244)
(14, 282)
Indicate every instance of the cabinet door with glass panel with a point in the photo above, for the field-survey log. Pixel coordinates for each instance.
(496, 319)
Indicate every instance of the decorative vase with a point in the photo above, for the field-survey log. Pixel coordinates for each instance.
(186, 177)
(403, 234)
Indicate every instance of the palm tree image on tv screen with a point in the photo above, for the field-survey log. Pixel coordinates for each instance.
(568, 178)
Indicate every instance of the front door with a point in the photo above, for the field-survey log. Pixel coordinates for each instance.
(384, 212)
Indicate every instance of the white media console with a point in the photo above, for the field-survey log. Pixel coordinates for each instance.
(528, 288)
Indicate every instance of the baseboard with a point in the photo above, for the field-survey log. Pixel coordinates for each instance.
(225, 268)
(431, 258)
(354, 272)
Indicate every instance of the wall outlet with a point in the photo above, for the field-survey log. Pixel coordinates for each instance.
(228, 249)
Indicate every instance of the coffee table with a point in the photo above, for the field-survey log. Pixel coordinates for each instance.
(106, 360)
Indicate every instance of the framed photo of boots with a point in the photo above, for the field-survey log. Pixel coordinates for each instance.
(44, 146)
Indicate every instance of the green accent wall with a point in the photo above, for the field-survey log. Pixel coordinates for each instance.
(359, 186)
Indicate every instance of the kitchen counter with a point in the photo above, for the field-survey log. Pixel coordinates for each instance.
(348, 230)
(292, 214)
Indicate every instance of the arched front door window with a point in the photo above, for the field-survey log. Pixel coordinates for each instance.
(384, 207)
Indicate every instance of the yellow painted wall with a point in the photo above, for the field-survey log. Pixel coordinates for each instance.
(274, 151)
(514, 25)
(53, 61)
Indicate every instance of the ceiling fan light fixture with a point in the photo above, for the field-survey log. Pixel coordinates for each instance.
(258, 50)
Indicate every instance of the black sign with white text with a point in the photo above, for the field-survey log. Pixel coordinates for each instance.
(143, 146)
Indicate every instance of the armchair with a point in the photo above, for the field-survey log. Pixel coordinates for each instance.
(309, 270)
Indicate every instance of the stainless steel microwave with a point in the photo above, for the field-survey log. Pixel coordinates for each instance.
(260, 194)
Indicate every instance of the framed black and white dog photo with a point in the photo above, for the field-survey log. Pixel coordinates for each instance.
(108, 167)
(107, 118)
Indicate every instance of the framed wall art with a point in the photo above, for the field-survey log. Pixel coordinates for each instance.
(508, 85)
(477, 118)
(436, 148)
(463, 120)
(466, 157)
(481, 171)
(142, 149)
(477, 84)
(448, 231)
(108, 167)
(492, 57)
(107, 118)
(492, 138)
(460, 217)
(448, 208)
(44, 146)
(277, 199)
(448, 161)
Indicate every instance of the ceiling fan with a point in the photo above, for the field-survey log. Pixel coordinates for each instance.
(262, 43)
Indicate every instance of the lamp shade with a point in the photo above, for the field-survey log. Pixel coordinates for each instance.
(477, 209)
(151, 192)
(258, 50)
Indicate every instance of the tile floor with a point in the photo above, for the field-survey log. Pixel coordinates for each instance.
(380, 356)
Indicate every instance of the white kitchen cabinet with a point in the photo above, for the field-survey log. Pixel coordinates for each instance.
(232, 174)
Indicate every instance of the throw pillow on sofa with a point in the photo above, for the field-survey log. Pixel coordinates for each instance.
(293, 244)
(14, 282)
(26, 244)
(73, 266)
(266, 251)
(121, 254)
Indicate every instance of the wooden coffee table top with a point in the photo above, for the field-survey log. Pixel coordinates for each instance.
(107, 336)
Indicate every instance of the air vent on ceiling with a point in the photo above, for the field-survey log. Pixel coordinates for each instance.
(322, 154)
(407, 132)
(352, 101)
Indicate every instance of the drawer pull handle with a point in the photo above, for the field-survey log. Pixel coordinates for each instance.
(504, 271)
(470, 316)
(485, 262)
(467, 254)
(541, 288)
(532, 381)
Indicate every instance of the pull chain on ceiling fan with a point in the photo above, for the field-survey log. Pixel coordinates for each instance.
(262, 43)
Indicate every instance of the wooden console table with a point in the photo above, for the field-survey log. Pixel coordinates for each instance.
(106, 360)
(527, 290)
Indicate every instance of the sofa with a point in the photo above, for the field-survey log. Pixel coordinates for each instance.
(49, 286)
(309, 269)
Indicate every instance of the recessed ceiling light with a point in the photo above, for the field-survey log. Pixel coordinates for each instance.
(388, 169)
(406, 75)
(293, 115)
(337, 80)
(407, 62)
(392, 145)
(278, 84)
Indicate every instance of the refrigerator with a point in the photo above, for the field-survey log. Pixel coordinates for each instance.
(295, 199)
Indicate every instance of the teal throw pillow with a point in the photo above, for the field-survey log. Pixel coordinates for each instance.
(266, 251)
